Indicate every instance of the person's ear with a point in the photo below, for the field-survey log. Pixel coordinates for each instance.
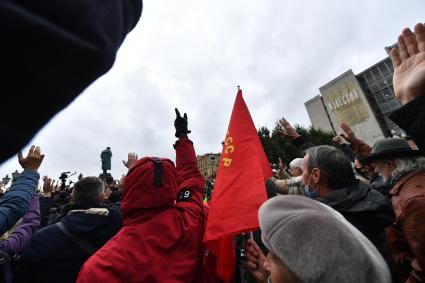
(315, 175)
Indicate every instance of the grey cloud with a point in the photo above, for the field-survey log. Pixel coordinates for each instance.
(192, 54)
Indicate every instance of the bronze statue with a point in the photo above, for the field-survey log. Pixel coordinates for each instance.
(105, 156)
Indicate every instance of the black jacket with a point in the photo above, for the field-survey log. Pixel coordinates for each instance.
(51, 256)
(45, 206)
(50, 52)
(367, 210)
(377, 183)
(411, 118)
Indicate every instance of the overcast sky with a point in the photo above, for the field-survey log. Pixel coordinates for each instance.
(192, 54)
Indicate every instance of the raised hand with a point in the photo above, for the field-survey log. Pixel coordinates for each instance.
(255, 262)
(282, 166)
(286, 130)
(33, 159)
(47, 186)
(409, 64)
(348, 132)
(180, 124)
(131, 160)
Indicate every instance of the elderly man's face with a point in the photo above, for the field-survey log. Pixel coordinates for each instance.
(296, 171)
(306, 175)
(384, 168)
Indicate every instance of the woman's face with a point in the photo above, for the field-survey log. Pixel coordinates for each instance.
(279, 273)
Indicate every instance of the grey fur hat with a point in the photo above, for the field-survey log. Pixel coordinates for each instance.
(317, 244)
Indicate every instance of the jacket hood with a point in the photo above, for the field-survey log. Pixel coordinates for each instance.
(361, 201)
(49, 246)
(150, 184)
(83, 220)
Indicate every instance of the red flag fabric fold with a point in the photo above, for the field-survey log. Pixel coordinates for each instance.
(239, 188)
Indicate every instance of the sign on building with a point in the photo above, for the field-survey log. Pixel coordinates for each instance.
(345, 103)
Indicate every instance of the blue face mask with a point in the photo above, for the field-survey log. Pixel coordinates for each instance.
(308, 192)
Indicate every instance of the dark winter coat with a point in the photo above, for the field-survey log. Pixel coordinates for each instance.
(411, 118)
(50, 52)
(51, 256)
(46, 204)
(367, 210)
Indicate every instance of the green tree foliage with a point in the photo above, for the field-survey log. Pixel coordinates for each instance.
(277, 146)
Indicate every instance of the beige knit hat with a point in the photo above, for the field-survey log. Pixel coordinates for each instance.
(317, 244)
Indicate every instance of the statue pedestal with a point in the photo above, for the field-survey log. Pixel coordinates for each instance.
(106, 177)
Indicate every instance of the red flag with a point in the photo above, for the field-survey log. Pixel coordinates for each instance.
(239, 188)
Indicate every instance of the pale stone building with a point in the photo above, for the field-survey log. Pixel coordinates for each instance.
(208, 164)
(364, 101)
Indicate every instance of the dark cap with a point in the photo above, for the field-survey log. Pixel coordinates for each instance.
(391, 148)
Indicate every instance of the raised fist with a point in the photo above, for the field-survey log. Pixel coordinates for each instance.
(180, 124)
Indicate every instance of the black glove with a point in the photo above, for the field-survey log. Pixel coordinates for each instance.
(180, 124)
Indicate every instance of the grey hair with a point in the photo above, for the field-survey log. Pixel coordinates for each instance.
(333, 164)
(88, 190)
(404, 165)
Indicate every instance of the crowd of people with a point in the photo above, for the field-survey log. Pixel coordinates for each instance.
(374, 194)
(345, 213)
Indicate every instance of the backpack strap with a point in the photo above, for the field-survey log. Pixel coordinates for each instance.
(85, 245)
(157, 177)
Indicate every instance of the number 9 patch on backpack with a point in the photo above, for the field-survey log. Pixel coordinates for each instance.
(184, 195)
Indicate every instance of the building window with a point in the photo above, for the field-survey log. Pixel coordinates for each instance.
(388, 94)
(385, 70)
(368, 78)
(374, 87)
(383, 84)
(380, 97)
(376, 74)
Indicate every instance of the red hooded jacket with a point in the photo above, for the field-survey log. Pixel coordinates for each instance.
(163, 225)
